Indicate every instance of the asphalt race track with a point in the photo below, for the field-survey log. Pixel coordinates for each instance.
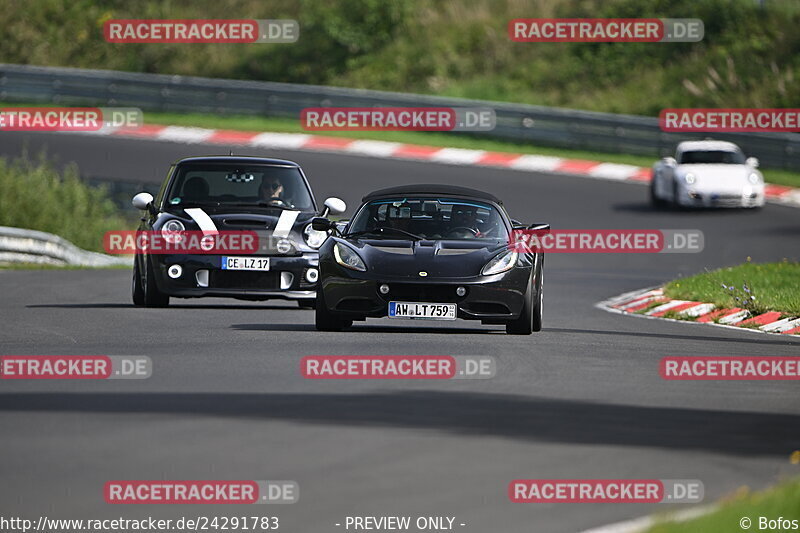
(582, 399)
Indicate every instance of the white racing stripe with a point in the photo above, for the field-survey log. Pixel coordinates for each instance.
(285, 223)
(202, 219)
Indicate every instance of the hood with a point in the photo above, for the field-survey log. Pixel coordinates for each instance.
(227, 218)
(718, 178)
(439, 258)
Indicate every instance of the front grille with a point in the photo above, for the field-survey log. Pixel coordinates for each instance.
(234, 279)
(417, 292)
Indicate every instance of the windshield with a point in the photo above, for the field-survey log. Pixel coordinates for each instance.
(429, 218)
(712, 157)
(249, 185)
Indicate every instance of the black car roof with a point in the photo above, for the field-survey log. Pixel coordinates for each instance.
(241, 159)
(432, 190)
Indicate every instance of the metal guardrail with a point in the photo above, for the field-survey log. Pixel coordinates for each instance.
(542, 126)
(18, 245)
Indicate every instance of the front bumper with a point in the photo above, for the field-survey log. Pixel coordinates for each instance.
(491, 299)
(698, 198)
(203, 276)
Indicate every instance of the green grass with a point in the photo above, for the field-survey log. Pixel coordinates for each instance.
(749, 57)
(776, 287)
(781, 501)
(34, 195)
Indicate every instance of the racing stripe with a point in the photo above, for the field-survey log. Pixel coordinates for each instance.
(285, 223)
(202, 219)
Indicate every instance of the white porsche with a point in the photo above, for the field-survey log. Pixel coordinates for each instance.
(707, 174)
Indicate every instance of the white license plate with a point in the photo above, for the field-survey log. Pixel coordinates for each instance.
(245, 263)
(421, 310)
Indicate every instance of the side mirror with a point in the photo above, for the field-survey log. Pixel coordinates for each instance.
(142, 200)
(334, 206)
(322, 224)
(669, 161)
(752, 161)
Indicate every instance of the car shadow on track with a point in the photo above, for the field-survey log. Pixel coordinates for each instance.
(254, 307)
(646, 207)
(525, 418)
(368, 329)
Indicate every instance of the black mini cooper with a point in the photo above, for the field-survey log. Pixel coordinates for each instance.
(429, 252)
(270, 198)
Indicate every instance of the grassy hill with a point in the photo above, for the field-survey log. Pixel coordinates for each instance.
(750, 56)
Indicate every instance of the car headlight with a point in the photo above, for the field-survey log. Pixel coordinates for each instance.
(500, 263)
(754, 178)
(348, 258)
(313, 237)
(690, 178)
(173, 230)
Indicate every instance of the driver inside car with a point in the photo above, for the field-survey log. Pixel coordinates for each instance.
(271, 191)
(463, 220)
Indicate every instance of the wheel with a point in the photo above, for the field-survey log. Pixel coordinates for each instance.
(675, 195)
(655, 201)
(537, 311)
(152, 296)
(324, 319)
(307, 303)
(524, 324)
(137, 292)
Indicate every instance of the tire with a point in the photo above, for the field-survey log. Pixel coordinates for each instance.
(524, 324)
(324, 320)
(152, 296)
(137, 290)
(307, 303)
(537, 311)
(675, 202)
(655, 201)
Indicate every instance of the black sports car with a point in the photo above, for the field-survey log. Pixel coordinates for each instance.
(218, 194)
(432, 252)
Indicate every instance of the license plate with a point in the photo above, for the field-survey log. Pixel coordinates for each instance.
(418, 310)
(245, 263)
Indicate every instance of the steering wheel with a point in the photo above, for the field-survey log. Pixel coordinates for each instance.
(278, 202)
(471, 231)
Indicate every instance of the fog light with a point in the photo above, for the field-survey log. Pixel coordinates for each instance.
(175, 271)
(384, 289)
(461, 291)
(312, 275)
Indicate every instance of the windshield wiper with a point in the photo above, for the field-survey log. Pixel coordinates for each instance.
(380, 230)
(183, 205)
(259, 204)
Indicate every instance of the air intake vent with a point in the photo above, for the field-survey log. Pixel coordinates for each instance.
(244, 223)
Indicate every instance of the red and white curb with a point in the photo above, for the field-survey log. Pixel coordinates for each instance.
(658, 306)
(778, 194)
